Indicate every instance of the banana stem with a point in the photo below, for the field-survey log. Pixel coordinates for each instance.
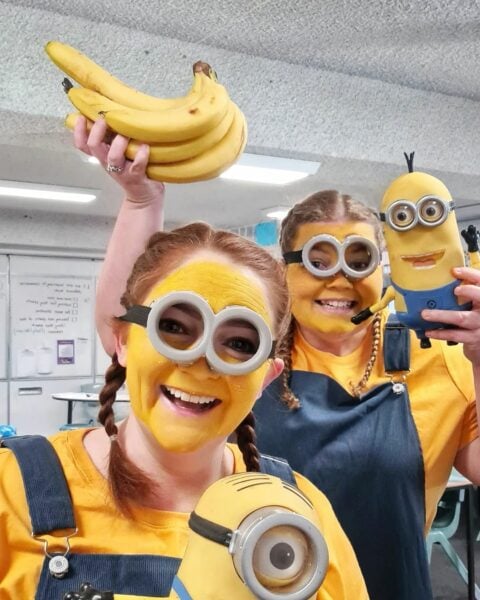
(67, 85)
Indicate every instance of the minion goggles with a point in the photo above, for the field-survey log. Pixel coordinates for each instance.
(324, 256)
(429, 211)
(273, 544)
(182, 327)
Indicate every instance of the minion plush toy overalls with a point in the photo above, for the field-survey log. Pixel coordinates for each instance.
(252, 536)
(423, 246)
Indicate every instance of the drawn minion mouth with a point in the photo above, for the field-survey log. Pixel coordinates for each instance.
(424, 261)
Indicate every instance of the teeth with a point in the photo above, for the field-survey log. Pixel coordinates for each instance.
(185, 397)
(337, 303)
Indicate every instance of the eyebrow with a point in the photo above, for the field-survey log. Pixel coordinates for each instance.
(240, 323)
(184, 308)
(359, 235)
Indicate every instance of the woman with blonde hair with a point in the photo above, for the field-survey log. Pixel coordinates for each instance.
(374, 419)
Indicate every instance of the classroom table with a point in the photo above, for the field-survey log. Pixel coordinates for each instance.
(72, 397)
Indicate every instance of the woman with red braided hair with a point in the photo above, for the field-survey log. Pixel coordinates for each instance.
(194, 339)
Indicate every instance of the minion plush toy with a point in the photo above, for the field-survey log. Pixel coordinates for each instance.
(423, 245)
(252, 536)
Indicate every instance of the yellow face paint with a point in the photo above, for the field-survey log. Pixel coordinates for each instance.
(186, 406)
(326, 305)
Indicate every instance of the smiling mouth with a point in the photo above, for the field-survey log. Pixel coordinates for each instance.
(191, 402)
(339, 306)
(424, 261)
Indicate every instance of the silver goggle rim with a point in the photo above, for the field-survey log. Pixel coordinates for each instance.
(341, 264)
(242, 543)
(205, 345)
(448, 206)
(243, 547)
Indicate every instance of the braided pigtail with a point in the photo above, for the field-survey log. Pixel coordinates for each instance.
(114, 379)
(127, 482)
(285, 353)
(246, 440)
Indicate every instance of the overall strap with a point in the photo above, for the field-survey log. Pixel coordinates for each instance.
(396, 346)
(277, 467)
(180, 590)
(46, 489)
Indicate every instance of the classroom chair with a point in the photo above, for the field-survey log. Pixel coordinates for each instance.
(444, 527)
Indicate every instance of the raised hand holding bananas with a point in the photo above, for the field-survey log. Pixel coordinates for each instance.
(192, 138)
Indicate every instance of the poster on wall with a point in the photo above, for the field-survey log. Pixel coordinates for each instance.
(51, 326)
(3, 317)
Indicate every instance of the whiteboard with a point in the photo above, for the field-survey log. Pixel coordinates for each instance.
(3, 316)
(51, 317)
(102, 360)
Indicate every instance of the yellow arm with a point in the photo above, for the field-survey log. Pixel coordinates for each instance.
(470, 235)
(474, 259)
(387, 297)
(364, 314)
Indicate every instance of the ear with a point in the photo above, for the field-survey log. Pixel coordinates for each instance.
(121, 348)
(275, 368)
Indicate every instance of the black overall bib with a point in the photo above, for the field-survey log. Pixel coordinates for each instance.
(50, 507)
(365, 455)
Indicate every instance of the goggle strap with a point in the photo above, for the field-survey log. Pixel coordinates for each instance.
(136, 314)
(210, 530)
(381, 216)
(293, 257)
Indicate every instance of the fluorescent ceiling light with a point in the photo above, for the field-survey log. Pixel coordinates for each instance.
(274, 170)
(39, 191)
(276, 212)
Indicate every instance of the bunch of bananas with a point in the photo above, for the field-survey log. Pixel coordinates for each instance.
(192, 138)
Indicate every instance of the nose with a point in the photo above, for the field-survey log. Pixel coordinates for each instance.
(339, 281)
(200, 369)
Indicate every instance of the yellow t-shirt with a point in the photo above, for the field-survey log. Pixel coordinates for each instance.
(102, 530)
(442, 399)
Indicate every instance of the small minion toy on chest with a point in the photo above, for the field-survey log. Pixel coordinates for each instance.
(252, 537)
(423, 245)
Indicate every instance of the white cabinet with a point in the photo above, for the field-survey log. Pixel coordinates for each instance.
(47, 340)
(32, 408)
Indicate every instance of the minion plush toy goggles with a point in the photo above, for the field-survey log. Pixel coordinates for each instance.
(253, 536)
(423, 245)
